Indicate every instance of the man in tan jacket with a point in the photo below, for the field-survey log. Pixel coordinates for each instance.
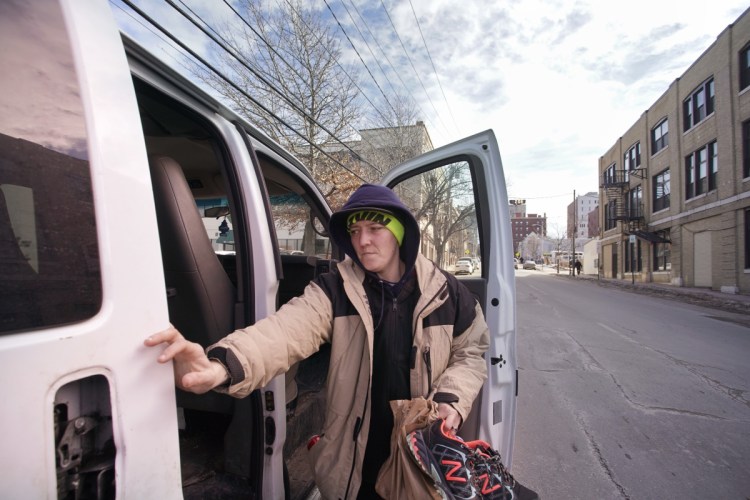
(399, 328)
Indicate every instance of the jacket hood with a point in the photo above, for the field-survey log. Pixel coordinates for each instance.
(375, 197)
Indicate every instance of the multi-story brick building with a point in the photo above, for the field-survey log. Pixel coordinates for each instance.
(675, 188)
(523, 225)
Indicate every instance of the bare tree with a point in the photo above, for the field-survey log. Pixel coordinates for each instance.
(562, 244)
(288, 60)
(443, 203)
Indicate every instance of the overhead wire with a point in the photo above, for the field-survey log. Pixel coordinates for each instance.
(385, 55)
(364, 40)
(412, 64)
(360, 56)
(434, 69)
(375, 107)
(338, 64)
(297, 107)
(246, 64)
(192, 53)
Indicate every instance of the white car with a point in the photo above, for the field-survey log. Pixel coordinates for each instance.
(464, 265)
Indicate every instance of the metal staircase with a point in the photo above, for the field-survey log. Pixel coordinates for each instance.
(616, 185)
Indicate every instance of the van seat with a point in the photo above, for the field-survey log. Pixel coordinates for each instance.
(202, 297)
(299, 270)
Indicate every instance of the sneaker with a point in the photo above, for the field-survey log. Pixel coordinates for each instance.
(493, 479)
(446, 459)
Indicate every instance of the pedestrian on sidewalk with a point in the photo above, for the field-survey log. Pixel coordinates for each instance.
(578, 267)
(399, 328)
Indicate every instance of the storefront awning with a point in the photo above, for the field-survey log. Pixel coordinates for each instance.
(652, 237)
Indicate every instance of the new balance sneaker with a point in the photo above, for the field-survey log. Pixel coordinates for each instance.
(493, 479)
(446, 459)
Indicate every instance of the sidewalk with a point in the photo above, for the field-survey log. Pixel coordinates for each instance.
(737, 303)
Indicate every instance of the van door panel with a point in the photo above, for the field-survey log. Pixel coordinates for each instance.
(465, 180)
(66, 90)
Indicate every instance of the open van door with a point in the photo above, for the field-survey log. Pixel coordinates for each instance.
(458, 195)
(87, 412)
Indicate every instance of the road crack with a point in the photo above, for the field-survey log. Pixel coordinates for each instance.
(600, 458)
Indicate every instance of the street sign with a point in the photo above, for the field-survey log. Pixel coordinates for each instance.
(632, 238)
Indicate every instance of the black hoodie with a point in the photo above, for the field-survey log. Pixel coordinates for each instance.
(385, 200)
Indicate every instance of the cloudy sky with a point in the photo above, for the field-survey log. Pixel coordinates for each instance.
(557, 80)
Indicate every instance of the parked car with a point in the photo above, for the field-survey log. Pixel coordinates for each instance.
(515, 263)
(529, 264)
(464, 265)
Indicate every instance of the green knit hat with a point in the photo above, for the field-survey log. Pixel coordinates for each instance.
(388, 220)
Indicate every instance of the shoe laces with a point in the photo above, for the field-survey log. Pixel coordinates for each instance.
(492, 458)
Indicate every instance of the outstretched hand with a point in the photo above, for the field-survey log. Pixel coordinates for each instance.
(192, 369)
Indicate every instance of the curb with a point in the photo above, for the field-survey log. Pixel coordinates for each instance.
(728, 303)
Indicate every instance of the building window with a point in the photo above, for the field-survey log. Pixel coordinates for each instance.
(660, 136)
(746, 149)
(609, 174)
(635, 202)
(662, 256)
(632, 158)
(609, 215)
(660, 198)
(745, 67)
(633, 259)
(747, 238)
(699, 105)
(700, 171)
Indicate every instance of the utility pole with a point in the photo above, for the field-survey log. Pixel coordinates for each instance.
(575, 230)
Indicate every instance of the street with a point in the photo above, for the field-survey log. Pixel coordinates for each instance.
(627, 396)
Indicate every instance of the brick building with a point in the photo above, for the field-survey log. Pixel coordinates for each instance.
(675, 188)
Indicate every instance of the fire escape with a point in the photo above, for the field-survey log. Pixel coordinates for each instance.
(621, 206)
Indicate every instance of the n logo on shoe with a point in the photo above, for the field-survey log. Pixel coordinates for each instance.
(486, 488)
(450, 475)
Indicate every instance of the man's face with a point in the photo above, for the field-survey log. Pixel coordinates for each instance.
(376, 248)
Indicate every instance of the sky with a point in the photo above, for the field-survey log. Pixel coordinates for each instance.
(558, 81)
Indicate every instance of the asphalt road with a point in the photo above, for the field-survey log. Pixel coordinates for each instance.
(629, 396)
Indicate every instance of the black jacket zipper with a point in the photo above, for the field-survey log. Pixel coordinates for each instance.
(428, 363)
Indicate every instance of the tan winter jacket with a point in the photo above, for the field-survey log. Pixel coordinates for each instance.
(334, 309)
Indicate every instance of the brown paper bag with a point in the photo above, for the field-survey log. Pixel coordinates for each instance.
(401, 477)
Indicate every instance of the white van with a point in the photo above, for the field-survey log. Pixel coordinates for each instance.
(112, 166)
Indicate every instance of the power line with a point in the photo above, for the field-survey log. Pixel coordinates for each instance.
(539, 197)
(385, 55)
(360, 57)
(412, 65)
(294, 105)
(433, 66)
(352, 80)
(368, 46)
(130, 4)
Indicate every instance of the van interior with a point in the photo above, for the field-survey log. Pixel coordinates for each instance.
(210, 293)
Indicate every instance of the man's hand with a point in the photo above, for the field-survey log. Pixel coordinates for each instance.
(192, 369)
(450, 415)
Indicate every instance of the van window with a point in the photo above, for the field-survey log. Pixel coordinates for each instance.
(442, 200)
(49, 258)
(297, 230)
